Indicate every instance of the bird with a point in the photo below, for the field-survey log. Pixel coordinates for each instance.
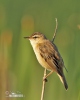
(48, 55)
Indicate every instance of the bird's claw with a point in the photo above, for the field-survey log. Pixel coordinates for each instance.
(45, 79)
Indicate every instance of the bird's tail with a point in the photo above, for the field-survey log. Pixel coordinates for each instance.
(63, 80)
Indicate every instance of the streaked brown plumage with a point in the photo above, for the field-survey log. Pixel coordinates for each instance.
(48, 55)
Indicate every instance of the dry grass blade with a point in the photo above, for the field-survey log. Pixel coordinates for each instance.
(55, 30)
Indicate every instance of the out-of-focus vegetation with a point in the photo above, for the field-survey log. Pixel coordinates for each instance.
(19, 69)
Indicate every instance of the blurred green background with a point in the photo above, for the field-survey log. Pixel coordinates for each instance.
(19, 69)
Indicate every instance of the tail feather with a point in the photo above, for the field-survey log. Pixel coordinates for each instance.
(63, 80)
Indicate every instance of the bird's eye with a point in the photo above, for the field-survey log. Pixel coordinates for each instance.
(35, 37)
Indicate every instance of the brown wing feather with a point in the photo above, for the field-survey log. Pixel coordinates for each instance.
(51, 55)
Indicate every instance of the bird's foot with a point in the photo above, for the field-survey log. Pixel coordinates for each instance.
(45, 79)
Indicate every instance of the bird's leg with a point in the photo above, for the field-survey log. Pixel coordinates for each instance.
(44, 78)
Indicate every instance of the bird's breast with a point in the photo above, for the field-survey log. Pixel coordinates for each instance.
(40, 59)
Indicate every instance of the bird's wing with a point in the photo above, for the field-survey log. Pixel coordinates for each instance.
(51, 55)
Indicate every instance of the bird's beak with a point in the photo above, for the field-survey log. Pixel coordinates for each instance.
(26, 37)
